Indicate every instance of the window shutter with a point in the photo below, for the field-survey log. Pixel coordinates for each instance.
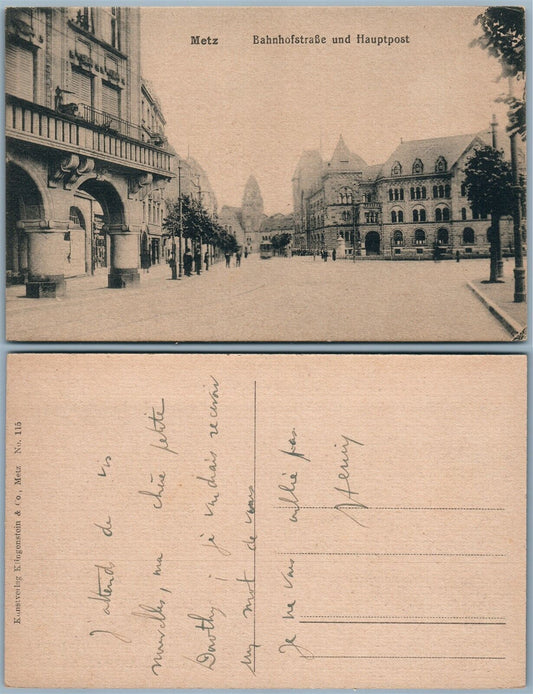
(82, 86)
(19, 71)
(110, 100)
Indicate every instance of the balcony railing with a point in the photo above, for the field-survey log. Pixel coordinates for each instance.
(108, 122)
(92, 134)
(369, 205)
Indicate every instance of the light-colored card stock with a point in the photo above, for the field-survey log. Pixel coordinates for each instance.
(265, 521)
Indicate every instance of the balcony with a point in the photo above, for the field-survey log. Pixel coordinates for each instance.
(85, 131)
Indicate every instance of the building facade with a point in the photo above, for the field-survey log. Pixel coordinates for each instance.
(403, 209)
(230, 219)
(277, 224)
(87, 161)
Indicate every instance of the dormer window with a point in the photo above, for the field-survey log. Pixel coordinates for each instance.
(418, 167)
(441, 165)
(396, 169)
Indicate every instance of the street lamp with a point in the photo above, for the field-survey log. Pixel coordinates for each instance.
(175, 275)
(519, 271)
(199, 187)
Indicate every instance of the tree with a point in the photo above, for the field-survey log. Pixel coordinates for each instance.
(192, 221)
(280, 241)
(504, 38)
(489, 188)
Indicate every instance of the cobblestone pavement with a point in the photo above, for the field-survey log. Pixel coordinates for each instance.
(280, 299)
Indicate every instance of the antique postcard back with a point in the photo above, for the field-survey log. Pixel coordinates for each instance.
(265, 521)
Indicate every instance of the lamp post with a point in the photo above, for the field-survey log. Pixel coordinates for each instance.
(519, 270)
(199, 187)
(173, 246)
(180, 209)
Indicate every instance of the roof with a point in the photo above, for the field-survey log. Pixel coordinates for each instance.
(345, 160)
(278, 222)
(228, 213)
(428, 151)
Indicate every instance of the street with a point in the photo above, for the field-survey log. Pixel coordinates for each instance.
(279, 299)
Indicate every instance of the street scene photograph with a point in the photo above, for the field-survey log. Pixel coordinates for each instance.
(265, 174)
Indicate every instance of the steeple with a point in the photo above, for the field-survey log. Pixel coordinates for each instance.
(252, 205)
(344, 160)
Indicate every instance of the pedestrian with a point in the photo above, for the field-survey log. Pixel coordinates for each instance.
(245, 253)
(197, 261)
(227, 255)
(334, 255)
(145, 260)
(187, 262)
(457, 256)
(238, 259)
(326, 255)
(206, 260)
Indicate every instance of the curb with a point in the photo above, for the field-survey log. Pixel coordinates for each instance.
(512, 327)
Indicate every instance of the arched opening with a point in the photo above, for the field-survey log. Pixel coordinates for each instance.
(442, 237)
(23, 202)
(102, 208)
(398, 238)
(109, 199)
(420, 237)
(372, 243)
(468, 235)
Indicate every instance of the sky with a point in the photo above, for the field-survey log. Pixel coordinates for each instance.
(241, 108)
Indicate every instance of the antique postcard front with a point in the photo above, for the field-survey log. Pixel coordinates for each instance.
(278, 174)
(260, 521)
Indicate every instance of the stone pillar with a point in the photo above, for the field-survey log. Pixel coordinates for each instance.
(47, 252)
(341, 248)
(124, 260)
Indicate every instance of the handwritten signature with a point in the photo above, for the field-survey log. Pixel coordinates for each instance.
(350, 506)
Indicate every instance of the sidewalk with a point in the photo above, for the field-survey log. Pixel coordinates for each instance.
(82, 284)
(498, 298)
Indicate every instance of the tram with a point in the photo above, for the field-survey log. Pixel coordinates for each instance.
(265, 250)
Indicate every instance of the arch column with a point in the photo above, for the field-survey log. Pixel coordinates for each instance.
(124, 261)
(47, 251)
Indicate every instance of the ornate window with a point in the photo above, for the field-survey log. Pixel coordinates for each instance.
(447, 191)
(468, 235)
(418, 167)
(442, 214)
(420, 237)
(463, 213)
(394, 216)
(419, 214)
(396, 169)
(391, 194)
(441, 165)
(397, 238)
(345, 196)
(443, 237)
(423, 189)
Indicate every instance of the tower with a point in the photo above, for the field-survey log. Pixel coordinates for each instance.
(252, 207)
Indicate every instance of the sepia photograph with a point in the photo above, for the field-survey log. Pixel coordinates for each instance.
(265, 174)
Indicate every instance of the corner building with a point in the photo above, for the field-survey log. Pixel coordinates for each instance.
(400, 210)
(85, 147)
